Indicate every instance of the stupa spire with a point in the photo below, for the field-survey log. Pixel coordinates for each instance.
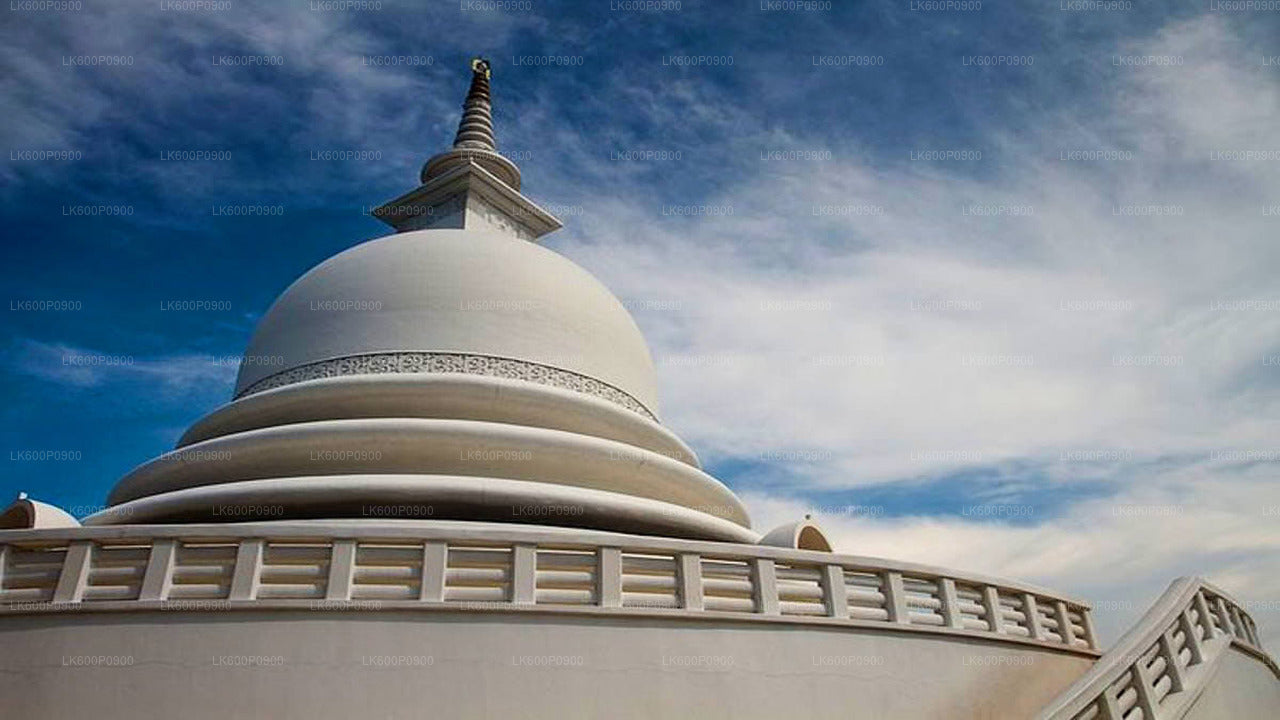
(476, 128)
(471, 184)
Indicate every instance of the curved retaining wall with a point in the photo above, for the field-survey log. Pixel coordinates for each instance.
(387, 619)
(403, 665)
(394, 619)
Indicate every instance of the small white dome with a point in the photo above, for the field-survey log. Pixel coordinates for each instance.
(473, 292)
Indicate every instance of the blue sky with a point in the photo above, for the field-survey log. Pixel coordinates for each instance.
(998, 293)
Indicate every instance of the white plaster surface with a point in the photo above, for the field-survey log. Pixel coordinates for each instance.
(335, 665)
(1242, 687)
(471, 291)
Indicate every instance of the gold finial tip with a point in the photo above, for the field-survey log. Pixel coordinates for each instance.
(480, 65)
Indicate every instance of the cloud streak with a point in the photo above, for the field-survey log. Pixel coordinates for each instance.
(1095, 309)
(174, 377)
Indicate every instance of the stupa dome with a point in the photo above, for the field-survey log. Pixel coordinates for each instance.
(455, 370)
(464, 372)
(487, 301)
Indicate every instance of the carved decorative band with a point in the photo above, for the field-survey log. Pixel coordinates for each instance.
(429, 362)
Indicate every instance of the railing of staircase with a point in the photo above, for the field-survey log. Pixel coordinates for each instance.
(1159, 666)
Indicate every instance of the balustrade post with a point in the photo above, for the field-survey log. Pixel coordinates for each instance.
(1108, 708)
(764, 579)
(609, 577)
(1173, 665)
(1031, 611)
(248, 572)
(1224, 616)
(1193, 642)
(895, 598)
(435, 558)
(158, 577)
(524, 574)
(995, 612)
(75, 573)
(1086, 622)
(834, 592)
(950, 603)
(689, 574)
(1206, 619)
(1065, 628)
(1242, 632)
(4, 563)
(342, 567)
(1146, 694)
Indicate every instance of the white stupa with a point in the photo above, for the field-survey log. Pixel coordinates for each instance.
(442, 489)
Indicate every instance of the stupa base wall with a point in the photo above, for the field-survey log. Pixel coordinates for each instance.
(394, 664)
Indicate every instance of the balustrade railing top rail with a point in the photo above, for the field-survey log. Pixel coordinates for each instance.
(487, 567)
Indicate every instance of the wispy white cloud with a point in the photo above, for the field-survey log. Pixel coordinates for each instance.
(333, 89)
(1216, 519)
(882, 335)
(175, 377)
(911, 338)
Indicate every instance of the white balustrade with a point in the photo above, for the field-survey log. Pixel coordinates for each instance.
(512, 569)
(1160, 665)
